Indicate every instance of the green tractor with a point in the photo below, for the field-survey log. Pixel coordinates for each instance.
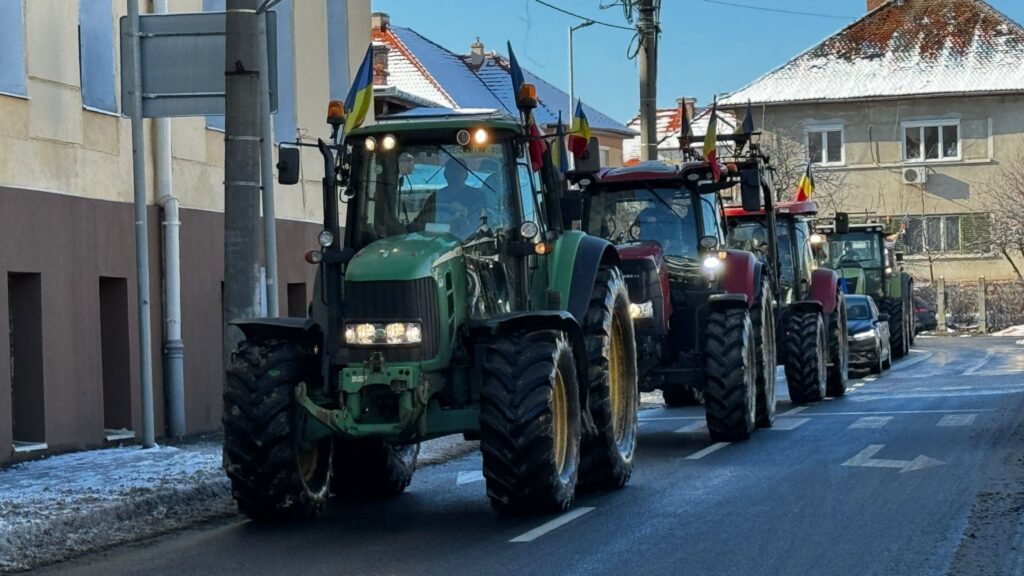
(867, 263)
(453, 301)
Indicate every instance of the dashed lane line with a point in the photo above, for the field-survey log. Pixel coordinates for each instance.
(871, 422)
(709, 450)
(552, 525)
(952, 420)
(658, 418)
(695, 427)
(789, 423)
(793, 411)
(469, 477)
(908, 363)
(899, 412)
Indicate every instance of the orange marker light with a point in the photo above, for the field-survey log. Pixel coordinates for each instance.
(542, 248)
(335, 112)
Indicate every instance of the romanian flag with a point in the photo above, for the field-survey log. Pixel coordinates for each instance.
(515, 72)
(559, 157)
(359, 103)
(711, 144)
(685, 127)
(805, 189)
(537, 144)
(579, 133)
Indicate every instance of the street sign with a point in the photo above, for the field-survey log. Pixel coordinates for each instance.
(183, 64)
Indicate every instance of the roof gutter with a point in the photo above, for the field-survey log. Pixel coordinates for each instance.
(931, 96)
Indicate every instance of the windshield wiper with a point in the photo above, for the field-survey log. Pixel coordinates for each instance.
(468, 169)
(662, 200)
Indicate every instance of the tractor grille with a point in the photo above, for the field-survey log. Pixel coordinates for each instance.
(401, 301)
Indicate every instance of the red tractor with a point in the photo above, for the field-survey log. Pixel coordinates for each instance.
(813, 343)
(700, 319)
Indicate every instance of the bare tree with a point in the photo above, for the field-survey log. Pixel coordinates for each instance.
(1004, 196)
(789, 159)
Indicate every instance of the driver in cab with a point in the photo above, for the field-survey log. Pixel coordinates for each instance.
(659, 224)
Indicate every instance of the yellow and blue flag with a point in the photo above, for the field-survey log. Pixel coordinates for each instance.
(359, 103)
(515, 72)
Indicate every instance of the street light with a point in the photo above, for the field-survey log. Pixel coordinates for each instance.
(572, 86)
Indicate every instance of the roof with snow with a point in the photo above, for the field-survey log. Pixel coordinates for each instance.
(431, 73)
(669, 123)
(902, 48)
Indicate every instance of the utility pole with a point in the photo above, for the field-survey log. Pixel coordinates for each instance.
(242, 67)
(647, 27)
(572, 81)
(267, 175)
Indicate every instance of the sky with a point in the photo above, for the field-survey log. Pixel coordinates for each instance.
(707, 47)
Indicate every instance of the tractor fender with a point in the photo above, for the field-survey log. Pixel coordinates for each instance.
(481, 330)
(740, 274)
(263, 329)
(591, 253)
(824, 287)
(805, 306)
(718, 302)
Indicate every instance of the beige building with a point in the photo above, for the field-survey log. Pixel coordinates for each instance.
(909, 113)
(69, 360)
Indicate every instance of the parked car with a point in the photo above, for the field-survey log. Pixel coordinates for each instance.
(925, 313)
(869, 334)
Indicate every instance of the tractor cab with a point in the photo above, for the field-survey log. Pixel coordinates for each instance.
(860, 256)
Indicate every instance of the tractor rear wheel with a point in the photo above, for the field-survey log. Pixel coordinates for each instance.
(730, 397)
(606, 458)
(373, 468)
(274, 475)
(806, 361)
(897, 326)
(682, 396)
(762, 318)
(530, 422)
(838, 349)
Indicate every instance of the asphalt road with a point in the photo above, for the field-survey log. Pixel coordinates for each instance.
(918, 472)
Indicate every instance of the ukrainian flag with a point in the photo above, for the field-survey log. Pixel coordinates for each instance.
(359, 103)
(558, 155)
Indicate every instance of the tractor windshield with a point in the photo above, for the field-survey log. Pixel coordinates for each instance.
(431, 188)
(661, 215)
(856, 250)
(752, 236)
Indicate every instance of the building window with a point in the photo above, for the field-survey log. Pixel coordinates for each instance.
(12, 48)
(214, 122)
(605, 155)
(825, 145)
(96, 55)
(947, 234)
(931, 140)
(337, 47)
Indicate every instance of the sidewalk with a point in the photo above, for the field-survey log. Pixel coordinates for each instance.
(71, 504)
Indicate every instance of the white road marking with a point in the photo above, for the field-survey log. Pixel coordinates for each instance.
(658, 418)
(789, 423)
(552, 525)
(858, 385)
(870, 379)
(898, 412)
(951, 420)
(710, 449)
(988, 356)
(695, 427)
(469, 477)
(864, 459)
(908, 363)
(871, 422)
(793, 411)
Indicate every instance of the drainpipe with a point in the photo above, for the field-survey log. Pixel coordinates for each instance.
(174, 349)
(267, 175)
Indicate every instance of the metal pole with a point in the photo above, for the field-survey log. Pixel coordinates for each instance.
(572, 82)
(940, 303)
(141, 231)
(267, 176)
(241, 167)
(982, 312)
(648, 81)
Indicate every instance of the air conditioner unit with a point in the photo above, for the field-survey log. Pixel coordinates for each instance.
(915, 175)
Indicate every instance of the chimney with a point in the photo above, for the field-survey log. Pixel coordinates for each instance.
(380, 64)
(875, 4)
(476, 54)
(380, 21)
(690, 103)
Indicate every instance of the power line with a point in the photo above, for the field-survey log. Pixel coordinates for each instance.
(581, 17)
(778, 10)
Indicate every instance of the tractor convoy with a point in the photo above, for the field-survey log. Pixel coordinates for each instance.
(471, 291)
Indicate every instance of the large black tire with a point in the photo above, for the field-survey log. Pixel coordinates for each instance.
(838, 349)
(606, 458)
(530, 422)
(273, 476)
(806, 361)
(762, 318)
(373, 468)
(730, 364)
(897, 326)
(676, 396)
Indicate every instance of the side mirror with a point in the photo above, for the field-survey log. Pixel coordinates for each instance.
(590, 162)
(842, 223)
(287, 165)
(572, 207)
(750, 189)
(883, 317)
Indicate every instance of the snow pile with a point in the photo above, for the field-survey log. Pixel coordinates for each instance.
(1014, 331)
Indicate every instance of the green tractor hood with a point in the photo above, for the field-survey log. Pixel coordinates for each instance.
(405, 257)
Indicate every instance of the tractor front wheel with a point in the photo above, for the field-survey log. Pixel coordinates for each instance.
(838, 349)
(373, 468)
(530, 422)
(274, 475)
(762, 317)
(730, 365)
(806, 361)
(897, 326)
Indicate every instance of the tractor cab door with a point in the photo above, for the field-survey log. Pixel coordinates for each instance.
(533, 279)
(803, 258)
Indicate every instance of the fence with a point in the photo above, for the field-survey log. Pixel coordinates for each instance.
(963, 302)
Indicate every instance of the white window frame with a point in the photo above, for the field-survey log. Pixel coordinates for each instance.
(935, 123)
(819, 130)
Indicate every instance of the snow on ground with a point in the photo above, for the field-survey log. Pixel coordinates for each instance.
(67, 505)
(1014, 331)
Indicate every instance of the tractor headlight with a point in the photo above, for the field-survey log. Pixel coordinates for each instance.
(395, 333)
(641, 310)
(864, 335)
(711, 264)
